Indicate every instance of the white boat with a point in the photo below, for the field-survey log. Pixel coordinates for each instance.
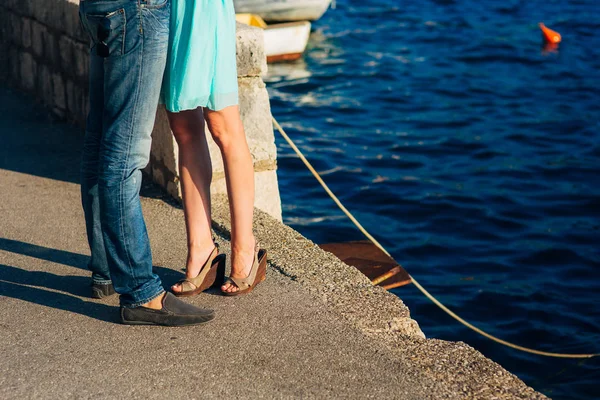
(283, 10)
(283, 42)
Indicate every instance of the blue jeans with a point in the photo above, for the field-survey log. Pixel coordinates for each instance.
(129, 40)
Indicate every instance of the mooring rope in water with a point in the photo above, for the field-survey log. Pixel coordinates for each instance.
(417, 284)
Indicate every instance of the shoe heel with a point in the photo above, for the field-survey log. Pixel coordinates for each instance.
(220, 279)
(262, 266)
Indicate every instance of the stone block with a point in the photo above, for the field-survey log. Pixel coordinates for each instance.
(44, 85)
(51, 49)
(164, 155)
(251, 58)
(8, 61)
(4, 63)
(44, 11)
(70, 20)
(266, 192)
(14, 70)
(5, 44)
(174, 189)
(65, 52)
(28, 71)
(38, 33)
(58, 15)
(10, 4)
(71, 99)
(81, 55)
(4, 21)
(22, 7)
(164, 147)
(80, 34)
(158, 175)
(26, 32)
(14, 31)
(58, 91)
(256, 116)
(48, 12)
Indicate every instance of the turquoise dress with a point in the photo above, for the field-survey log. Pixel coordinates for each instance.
(201, 65)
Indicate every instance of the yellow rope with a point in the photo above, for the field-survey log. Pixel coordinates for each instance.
(421, 288)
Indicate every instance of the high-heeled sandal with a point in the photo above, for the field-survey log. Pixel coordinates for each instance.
(258, 273)
(211, 274)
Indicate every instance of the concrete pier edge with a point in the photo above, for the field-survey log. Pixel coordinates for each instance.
(380, 315)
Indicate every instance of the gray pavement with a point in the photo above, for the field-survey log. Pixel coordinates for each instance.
(287, 339)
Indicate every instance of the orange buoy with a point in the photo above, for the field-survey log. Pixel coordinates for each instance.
(550, 35)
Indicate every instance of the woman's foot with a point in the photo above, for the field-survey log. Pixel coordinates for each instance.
(196, 259)
(241, 265)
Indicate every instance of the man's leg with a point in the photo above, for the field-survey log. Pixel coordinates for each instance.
(132, 38)
(101, 282)
(134, 67)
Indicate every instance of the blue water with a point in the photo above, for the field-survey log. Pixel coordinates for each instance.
(473, 154)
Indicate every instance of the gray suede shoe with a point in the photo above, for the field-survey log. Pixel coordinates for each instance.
(174, 312)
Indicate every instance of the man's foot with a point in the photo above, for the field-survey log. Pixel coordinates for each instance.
(166, 310)
(100, 291)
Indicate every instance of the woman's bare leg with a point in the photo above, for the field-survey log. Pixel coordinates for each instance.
(228, 132)
(195, 170)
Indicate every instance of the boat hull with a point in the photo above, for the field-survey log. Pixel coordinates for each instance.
(283, 10)
(286, 42)
(380, 268)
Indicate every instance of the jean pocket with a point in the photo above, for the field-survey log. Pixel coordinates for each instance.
(154, 3)
(107, 31)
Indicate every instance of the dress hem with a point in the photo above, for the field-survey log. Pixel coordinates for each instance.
(192, 105)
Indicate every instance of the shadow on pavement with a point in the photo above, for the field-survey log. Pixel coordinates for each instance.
(45, 253)
(13, 283)
(73, 285)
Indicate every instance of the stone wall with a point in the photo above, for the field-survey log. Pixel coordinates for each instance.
(44, 51)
